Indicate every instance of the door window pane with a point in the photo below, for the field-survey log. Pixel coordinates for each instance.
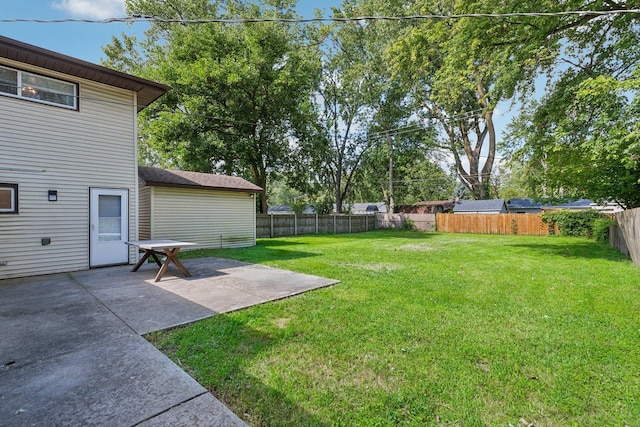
(109, 218)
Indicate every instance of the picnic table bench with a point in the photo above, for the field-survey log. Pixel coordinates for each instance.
(168, 248)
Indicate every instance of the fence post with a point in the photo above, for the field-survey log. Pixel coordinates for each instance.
(295, 224)
(349, 223)
(271, 232)
(316, 222)
(334, 224)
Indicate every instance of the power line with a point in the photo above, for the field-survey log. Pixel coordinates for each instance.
(394, 132)
(158, 19)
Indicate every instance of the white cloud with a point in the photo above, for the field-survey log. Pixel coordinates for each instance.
(94, 9)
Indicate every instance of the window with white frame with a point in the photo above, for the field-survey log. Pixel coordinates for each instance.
(8, 198)
(34, 87)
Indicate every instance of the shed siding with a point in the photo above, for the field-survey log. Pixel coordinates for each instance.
(144, 218)
(213, 219)
(50, 148)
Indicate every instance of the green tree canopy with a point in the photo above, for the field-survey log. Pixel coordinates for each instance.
(582, 138)
(241, 94)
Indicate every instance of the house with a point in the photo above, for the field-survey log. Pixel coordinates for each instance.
(495, 206)
(531, 206)
(523, 206)
(215, 211)
(288, 210)
(573, 205)
(280, 209)
(368, 208)
(608, 207)
(68, 169)
(426, 207)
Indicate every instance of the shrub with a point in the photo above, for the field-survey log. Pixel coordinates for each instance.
(323, 205)
(601, 229)
(408, 224)
(572, 224)
(298, 206)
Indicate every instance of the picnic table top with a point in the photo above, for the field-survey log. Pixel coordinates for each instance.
(159, 244)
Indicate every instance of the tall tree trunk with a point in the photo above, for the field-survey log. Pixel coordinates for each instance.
(263, 197)
(338, 194)
(260, 178)
(491, 131)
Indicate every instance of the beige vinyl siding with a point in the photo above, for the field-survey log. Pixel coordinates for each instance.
(213, 219)
(144, 214)
(50, 148)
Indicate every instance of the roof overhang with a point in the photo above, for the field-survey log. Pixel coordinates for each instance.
(203, 187)
(147, 90)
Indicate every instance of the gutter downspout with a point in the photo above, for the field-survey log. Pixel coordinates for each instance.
(136, 214)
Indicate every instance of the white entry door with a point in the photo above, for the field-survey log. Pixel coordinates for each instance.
(109, 227)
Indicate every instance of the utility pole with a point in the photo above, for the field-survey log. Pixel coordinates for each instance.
(391, 202)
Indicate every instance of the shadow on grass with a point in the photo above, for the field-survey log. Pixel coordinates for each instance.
(278, 248)
(365, 235)
(577, 249)
(278, 242)
(254, 254)
(216, 352)
(398, 234)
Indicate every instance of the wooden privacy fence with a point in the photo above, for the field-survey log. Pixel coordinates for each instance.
(617, 240)
(422, 222)
(280, 225)
(626, 235)
(523, 224)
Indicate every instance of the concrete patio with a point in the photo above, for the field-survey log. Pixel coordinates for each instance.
(71, 351)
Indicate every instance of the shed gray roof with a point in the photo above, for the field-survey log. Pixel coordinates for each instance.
(157, 177)
(148, 91)
(495, 205)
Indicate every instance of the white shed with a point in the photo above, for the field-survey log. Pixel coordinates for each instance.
(215, 211)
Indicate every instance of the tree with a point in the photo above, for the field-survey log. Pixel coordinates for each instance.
(417, 175)
(593, 150)
(582, 138)
(452, 85)
(510, 181)
(357, 106)
(240, 93)
(461, 68)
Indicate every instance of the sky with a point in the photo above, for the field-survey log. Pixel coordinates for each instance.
(83, 40)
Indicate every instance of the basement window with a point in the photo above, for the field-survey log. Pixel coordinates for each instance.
(34, 87)
(8, 198)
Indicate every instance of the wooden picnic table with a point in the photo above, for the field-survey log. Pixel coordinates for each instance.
(168, 248)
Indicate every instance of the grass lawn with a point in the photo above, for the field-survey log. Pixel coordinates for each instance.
(428, 328)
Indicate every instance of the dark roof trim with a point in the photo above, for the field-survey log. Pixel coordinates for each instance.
(148, 91)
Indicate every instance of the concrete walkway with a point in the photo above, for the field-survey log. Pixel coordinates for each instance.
(71, 351)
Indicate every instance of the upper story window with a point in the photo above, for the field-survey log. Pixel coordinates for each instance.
(34, 87)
